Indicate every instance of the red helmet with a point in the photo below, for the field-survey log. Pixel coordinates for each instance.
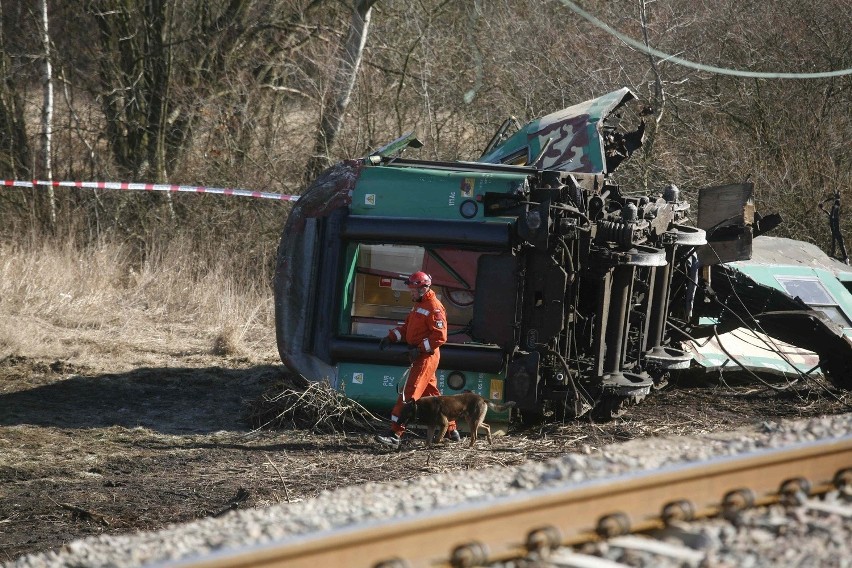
(418, 280)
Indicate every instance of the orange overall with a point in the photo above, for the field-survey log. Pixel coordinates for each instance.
(425, 327)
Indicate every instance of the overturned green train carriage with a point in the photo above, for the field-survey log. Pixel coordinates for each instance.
(534, 251)
(561, 289)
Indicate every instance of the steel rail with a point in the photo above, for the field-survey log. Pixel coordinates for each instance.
(509, 527)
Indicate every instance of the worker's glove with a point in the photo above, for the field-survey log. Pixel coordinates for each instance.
(384, 343)
(413, 353)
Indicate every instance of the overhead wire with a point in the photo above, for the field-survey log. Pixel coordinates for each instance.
(694, 65)
(769, 341)
(766, 338)
(753, 341)
(818, 379)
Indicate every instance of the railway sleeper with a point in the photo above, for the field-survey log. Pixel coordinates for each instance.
(685, 543)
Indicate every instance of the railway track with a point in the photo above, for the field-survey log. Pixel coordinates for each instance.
(544, 520)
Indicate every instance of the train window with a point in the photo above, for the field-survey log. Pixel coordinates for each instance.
(812, 292)
(379, 298)
(519, 158)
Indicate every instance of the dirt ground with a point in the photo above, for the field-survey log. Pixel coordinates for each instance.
(85, 452)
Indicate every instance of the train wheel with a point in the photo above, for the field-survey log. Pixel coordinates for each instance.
(613, 406)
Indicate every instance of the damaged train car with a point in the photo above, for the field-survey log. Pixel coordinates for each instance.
(786, 312)
(564, 292)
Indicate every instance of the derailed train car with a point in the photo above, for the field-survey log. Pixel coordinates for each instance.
(785, 312)
(564, 293)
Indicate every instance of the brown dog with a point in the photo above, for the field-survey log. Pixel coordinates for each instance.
(436, 412)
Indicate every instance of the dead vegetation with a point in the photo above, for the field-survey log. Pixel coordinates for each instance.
(61, 303)
(298, 403)
(115, 415)
(87, 451)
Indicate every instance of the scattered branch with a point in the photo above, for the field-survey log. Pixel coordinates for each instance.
(80, 514)
(281, 477)
(313, 406)
(236, 500)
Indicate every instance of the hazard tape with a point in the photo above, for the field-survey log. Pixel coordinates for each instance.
(153, 187)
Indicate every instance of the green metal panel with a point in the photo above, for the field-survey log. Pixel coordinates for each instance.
(386, 191)
(767, 275)
(376, 386)
(373, 386)
(593, 161)
(487, 385)
(575, 141)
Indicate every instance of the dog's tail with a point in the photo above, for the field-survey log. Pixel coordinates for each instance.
(500, 407)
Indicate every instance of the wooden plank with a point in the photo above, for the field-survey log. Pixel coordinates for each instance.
(726, 212)
(726, 250)
(725, 205)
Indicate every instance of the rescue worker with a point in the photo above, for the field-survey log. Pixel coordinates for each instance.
(424, 330)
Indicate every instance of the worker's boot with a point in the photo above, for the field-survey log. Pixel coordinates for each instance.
(390, 439)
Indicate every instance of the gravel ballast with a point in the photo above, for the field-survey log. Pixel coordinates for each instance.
(725, 544)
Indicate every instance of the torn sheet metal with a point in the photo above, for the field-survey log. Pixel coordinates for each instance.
(580, 138)
(791, 340)
(755, 351)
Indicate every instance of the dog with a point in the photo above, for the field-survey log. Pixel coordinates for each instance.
(437, 411)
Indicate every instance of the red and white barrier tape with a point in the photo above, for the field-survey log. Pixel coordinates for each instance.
(152, 187)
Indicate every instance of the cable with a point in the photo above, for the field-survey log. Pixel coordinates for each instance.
(698, 66)
(773, 347)
(749, 371)
(688, 337)
(740, 334)
(805, 375)
(579, 391)
(824, 388)
(766, 338)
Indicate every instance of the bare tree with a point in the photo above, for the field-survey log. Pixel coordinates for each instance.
(47, 112)
(658, 102)
(14, 146)
(239, 91)
(340, 93)
(160, 64)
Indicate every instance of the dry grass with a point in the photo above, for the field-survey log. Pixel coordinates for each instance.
(114, 404)
(58, 301)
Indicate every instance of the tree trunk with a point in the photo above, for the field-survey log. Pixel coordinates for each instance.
(14, 147)
(47, 113)
(337, 100)
(159, 79)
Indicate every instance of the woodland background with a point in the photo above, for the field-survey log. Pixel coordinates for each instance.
(253, 94)
(134, 326)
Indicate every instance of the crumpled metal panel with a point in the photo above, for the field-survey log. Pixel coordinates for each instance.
(753, 350)
(785, 339)
(576, 141)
